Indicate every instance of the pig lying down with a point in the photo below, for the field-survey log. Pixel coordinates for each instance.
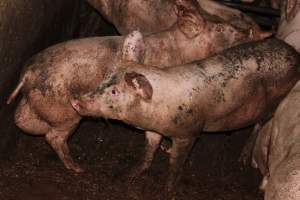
(236, 88)
(59, 73)
(277, 150)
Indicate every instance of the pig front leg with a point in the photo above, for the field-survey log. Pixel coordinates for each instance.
(246, 153)
(181, 147)
(153, 140)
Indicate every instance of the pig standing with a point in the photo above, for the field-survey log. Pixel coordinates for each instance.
(289, 25)
(157, 15)
(63, 71)
(288, 31)
(277, 150)
(236, 88)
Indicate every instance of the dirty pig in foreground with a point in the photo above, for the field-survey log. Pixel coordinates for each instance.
(57, 74)
(277, 150)
(234, 89)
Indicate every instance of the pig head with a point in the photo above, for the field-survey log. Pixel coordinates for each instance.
(276, 152)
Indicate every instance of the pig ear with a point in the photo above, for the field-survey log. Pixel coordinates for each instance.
(140, 84)
(190, 23)
(133, 47)
(290, 9)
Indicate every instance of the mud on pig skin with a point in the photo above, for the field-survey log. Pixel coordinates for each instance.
(157, 15)
(68, 69)
(277, 150)
(236, 88)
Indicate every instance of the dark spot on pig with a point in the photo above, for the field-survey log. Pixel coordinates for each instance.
(111, 107)
(219, 28)
(189, 111)
(112, 44)
(185, 108)
(175, 120)
(41, 82)
(219, 96)
(201, 68)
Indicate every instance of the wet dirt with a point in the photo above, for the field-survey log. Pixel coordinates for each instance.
(108, 150)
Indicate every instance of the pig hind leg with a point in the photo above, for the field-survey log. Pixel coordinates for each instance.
(57, 138)
(27, 120)
(153, 141)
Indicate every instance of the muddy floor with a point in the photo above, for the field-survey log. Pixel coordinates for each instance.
(107, 150)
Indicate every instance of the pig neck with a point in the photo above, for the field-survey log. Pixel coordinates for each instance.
(172, 47)
(162, 50)
(290, 31)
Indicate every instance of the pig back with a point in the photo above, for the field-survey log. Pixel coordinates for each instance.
(72, 67)
(249, 79)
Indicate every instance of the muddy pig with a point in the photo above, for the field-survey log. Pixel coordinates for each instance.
(234, 89)
(277, 150)
(289, 25)
(158, 15)
(60, 72)
(288, 31)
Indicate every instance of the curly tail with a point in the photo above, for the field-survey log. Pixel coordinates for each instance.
(16, 91)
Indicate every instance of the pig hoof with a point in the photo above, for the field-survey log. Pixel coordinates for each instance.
(166, 146)
(75, 167)
(245, 158)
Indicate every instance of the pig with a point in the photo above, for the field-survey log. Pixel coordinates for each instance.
(289, 25)
(230, 90)
(276, 152)
(288, 31)
(156, 15)
(54, 76)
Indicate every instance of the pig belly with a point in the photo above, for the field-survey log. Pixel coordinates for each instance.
(242, 115)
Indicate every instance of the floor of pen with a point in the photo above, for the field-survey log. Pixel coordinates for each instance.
(108, 150)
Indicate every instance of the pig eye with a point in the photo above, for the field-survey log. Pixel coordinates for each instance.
(114, 92)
